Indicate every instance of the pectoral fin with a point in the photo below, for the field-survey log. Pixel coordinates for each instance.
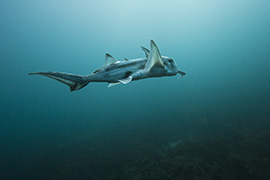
(126, 80)
(113, 84)
(155, 65)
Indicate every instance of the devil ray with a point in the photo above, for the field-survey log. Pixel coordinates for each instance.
(115, 72)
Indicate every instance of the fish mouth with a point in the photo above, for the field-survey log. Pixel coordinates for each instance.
(181, 73)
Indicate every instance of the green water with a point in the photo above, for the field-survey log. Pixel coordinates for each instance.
(211, 124)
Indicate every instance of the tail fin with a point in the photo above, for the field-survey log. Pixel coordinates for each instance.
(75, 82)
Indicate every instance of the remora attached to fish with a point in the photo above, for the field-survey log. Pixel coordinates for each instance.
(115, 72)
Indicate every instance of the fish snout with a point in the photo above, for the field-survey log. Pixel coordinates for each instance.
(181, 73)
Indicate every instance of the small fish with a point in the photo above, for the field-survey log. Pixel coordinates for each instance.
(115, 72)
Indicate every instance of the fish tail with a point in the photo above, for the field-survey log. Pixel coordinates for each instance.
(75, 82)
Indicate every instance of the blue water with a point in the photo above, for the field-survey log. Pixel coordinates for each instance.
(211, 124)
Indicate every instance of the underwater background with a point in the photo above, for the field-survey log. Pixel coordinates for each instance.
(211, 124)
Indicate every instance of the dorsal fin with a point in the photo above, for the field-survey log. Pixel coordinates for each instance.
(154, 64)
(126, 59)
(109, 59)
(146, 51)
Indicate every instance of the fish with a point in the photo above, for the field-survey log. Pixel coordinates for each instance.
(116, 72)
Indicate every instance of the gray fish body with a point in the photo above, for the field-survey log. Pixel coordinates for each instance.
(120, 70)
(116, 72)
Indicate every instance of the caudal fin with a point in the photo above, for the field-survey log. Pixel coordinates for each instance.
(75, 82)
